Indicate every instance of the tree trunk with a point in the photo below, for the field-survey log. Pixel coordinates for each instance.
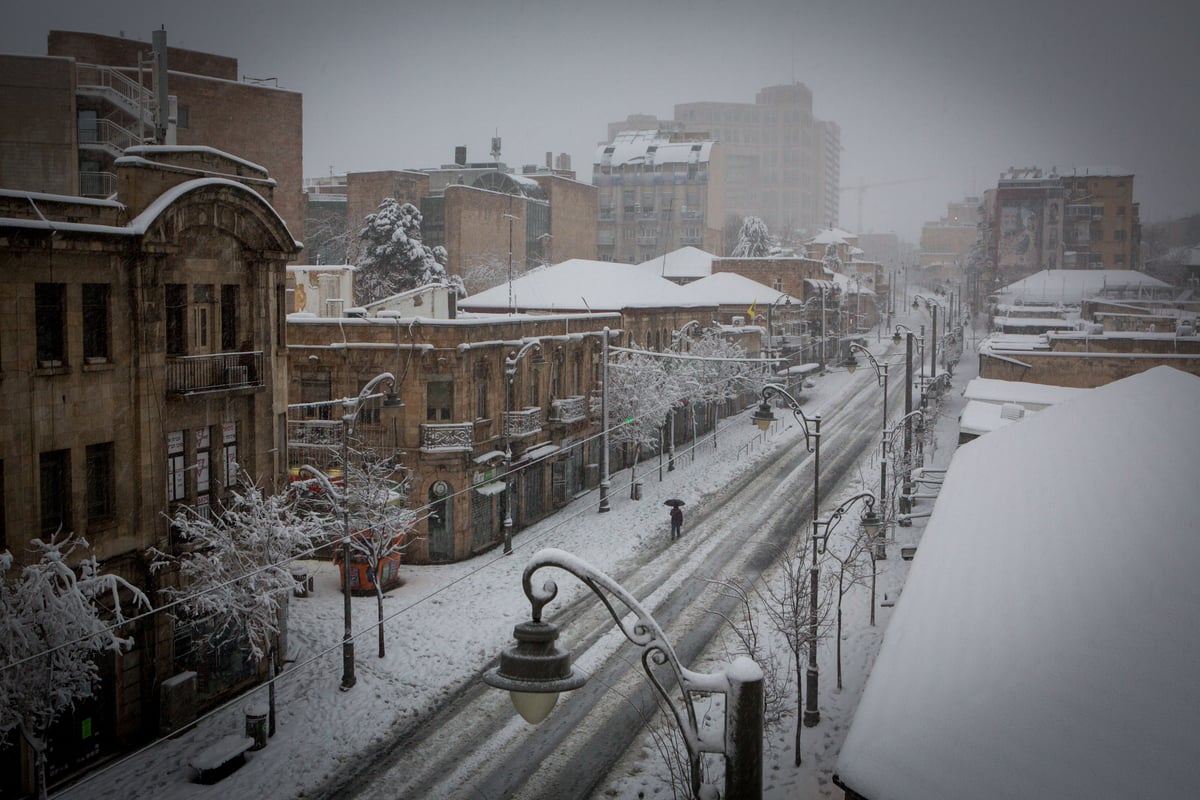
(841, 594)
(379, 604)
(274, 657)
(38, 745)
(799, 701)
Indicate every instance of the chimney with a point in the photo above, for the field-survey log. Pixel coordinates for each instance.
(159, 40)
(460, 155)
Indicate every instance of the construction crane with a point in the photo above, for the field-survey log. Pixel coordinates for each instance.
(862, 187)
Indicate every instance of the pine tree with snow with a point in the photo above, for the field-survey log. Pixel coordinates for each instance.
(54, 621)
(392, 257)
(754, 240)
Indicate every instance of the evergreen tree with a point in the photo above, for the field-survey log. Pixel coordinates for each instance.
(393, 258)
(754, 240)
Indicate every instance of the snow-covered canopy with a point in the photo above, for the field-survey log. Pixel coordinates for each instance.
(729, 288)
(1033, 396)
(686, 263)
(1044, 644)
(1072, 286)
(582, 285)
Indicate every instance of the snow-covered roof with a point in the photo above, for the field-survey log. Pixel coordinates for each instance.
(1030, 395)
(832, 236)
(582, 285)
(1074, 285)
(1044, 645)
(686, 262)
(978, 417)
(651, 147)
(729, 288)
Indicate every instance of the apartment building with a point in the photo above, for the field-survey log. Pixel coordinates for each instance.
(949, 239)
(1079, 218)
(70, 114)
(143, 366)
(658, 191)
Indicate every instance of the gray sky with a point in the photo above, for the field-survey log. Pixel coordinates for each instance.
(934, 97)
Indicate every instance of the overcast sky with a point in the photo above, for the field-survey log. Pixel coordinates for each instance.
(934, 97)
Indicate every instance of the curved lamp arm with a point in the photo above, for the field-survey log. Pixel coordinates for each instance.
(880, 370)
(869, 517)
(764, 417)
(513, 358)
(323, 479)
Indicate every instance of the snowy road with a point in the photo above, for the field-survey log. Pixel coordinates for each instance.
(475, 746)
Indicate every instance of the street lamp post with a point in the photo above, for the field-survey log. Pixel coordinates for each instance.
(352, 407)
(787, 301)
(510, 370)
(763, 418)
(931, 306)
(872, 523)
(604, 481)
(908, 383)
(535, 670)
(881, 375)
(677, 339)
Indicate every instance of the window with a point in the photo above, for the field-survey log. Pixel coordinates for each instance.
(54, 470)
(229, 318)
(482, 390)
(532, 376)
(202, 318)
(280, 316)
(183, 117)
(50, 300)
(439, 399)
(95, 322)
(229, 442)
(176, 487)
(100, 486)
(176, 318)
(556, 376)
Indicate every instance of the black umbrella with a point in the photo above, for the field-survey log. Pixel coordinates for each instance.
(673, 502)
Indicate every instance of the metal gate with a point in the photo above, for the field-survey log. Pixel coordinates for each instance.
(483, 520)
(440, 522)
(535, 502)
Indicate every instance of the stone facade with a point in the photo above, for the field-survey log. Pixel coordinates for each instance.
(143, 357)
(459, 417)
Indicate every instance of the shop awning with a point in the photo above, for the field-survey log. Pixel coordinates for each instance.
(495, 487)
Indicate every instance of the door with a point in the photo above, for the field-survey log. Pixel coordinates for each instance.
(440, 522)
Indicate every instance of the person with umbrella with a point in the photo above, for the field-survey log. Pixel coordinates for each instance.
(676, 518)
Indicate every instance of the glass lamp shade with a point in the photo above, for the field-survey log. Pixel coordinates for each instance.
(533, 706)
(763, 417)
(896, 337)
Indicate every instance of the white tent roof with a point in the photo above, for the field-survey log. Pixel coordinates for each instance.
(1074, 285)
(1044, 645)
(729, 288)
(686, 262)
(581, 285)
(1030, 395)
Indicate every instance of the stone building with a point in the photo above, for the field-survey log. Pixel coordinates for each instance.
(69, 115)
(144, 363)
(496, 421)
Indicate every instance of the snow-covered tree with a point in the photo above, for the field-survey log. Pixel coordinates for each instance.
(392, 258)
(383, 527)
(717, 370)
(754, 240)
(234, 573)
(54, 620)
(640, 391)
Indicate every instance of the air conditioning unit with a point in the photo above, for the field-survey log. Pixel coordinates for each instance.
(177, 702)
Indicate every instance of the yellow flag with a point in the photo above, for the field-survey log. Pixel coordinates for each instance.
(751, 309)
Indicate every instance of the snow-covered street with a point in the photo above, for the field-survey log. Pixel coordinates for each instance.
(447, 622)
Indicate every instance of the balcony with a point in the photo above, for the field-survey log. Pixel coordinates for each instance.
(696, 215)
(447, 437)
(222, 372)
(524, 423)
(567, 410)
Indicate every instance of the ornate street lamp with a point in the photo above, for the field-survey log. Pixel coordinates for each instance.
(351, 408)
(535, 670)
(881, 375)
(763, 417)
(871, 522)
(510, 370)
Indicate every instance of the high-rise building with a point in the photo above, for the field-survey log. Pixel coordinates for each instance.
(782, 163)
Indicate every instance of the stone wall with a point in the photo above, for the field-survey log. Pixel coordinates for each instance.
(1079, 370)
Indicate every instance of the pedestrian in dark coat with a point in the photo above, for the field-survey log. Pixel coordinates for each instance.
(676, 521)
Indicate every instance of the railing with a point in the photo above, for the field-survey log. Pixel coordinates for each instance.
(523, 423)
(97, 184)
(319, 441)
(691, 215)
(113, 83)
(214, 373)
(692, 240)
(568, 409)
(446, 437)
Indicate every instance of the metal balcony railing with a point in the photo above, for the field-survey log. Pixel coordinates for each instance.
(446, 437)
(524, 423)
(97, 184)
(214, 373)
(568, 409)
